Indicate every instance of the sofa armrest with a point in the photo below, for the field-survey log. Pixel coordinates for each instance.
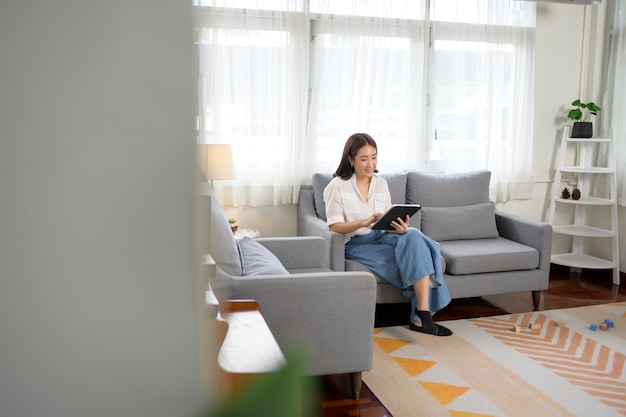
(329, 314)
(529, 232)
(299, 252)
(311, 225)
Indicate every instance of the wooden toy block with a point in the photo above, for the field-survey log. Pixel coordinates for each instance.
(603, 326)
(593, 327)
(534, 326)
(517, 329)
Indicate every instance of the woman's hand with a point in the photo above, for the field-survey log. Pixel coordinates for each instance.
(400, 225)
(371, 219)
(349, 227)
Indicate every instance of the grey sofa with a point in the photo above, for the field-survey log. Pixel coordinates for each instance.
(327, 314)
(485, 251)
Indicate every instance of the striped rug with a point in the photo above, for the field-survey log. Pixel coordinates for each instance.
(500, 366)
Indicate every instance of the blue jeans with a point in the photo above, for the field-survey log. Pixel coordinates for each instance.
(403, 259)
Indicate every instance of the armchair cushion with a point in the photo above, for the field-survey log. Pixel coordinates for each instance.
(477, 221)
(258, 260)
(301, 253)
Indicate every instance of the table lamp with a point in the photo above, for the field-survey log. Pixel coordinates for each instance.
(216, 161)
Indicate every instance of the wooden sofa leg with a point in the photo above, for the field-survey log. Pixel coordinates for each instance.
(355, 383)
(536, 299)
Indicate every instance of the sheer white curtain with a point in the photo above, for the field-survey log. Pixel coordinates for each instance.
(616, 93)
(369, 76)
(253, 75)
(482, 91)
(438, 83)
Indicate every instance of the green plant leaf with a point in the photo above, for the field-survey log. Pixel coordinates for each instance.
(593, 108)
(582, 111)
(575, 114)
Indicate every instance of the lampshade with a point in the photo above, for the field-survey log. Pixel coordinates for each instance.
(216, 161)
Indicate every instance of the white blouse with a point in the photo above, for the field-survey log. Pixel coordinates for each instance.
(344, 202)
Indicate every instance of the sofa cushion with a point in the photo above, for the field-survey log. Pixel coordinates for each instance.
(397, 186)
(256, 259)
(356, 266)
(395, 180)
(225, 253)
(487, 255)
(448, 190)
(477, 221)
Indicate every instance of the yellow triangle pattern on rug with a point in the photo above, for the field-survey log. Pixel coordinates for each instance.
(413, 367)
(444, 393)
(447, 389)
(389, 345)
(489, 368)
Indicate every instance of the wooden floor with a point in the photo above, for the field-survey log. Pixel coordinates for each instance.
(567, 289)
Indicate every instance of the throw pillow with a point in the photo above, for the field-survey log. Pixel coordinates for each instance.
(256, 259)
(477, 221)
(223, 247)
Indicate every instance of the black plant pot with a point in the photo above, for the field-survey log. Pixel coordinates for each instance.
(582, 130)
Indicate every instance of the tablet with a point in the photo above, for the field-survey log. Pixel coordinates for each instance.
(397, 210)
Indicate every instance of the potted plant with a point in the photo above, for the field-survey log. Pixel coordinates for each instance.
(233, 224)
(580, 114)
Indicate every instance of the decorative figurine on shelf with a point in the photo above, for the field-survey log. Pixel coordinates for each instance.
(565, 193)
(576, 194)
(233, 224)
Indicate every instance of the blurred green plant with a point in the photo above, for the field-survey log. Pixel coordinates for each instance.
(283, 393)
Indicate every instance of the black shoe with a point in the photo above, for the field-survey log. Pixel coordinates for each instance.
(438, 331)
(428, 325)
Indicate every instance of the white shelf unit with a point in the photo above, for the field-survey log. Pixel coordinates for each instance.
(591, 221)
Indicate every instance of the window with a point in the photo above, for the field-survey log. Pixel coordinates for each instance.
(367, 76)
(253, 76)
(432, 82)
(482, 70)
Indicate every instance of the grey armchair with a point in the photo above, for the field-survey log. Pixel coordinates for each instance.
(307, 306)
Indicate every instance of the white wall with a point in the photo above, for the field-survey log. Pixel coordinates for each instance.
(559, 79)
(99, 294)
(270, 221)
(557, 76)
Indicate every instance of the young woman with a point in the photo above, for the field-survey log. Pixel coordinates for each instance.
(355, 198)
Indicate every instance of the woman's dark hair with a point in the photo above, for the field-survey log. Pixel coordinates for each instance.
(355, 142)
